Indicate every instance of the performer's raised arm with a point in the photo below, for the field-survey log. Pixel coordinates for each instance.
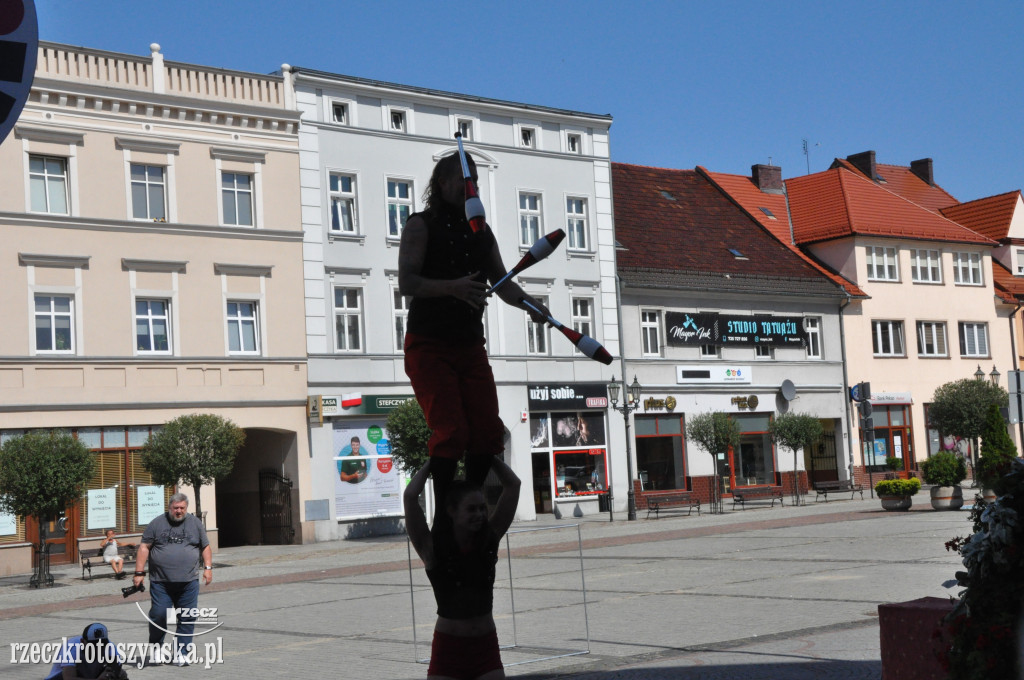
(505, 510)
(415, 520)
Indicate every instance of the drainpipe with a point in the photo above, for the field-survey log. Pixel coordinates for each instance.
(1014, 367)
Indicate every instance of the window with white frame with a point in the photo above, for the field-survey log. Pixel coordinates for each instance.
(399, 205)
(887, 338)
(465, 128)
(48, 184)
(1020, 263)
(763, 351)
(709, 351)
(339, 113)
(243, 327)
(973, 339)
(925, 266)
(573, 143)
(149, 192)
(967, 269)
(883, 264)
(527, 137)
(537, 333)
(931, 339)
(650, 332)
(812, 327)
(342, 192)
(236, 197)
(576, 222)
(583, 316)
(530, 218)
(152, 326)
(398, 120)
(400, 310)
(348, 319)
(54, 323)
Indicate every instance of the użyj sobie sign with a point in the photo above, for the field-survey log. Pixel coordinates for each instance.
(711, 328)
(366, 481)
(574, 396)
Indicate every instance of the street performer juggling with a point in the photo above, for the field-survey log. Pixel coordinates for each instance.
(444, 266)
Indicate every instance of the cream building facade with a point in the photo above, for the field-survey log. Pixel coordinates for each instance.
(151, 266)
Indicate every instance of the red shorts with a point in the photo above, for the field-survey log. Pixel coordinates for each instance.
(464, 658)
(454, 386)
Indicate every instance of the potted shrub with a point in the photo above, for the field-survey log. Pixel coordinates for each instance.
(895, 494)
(944, 471)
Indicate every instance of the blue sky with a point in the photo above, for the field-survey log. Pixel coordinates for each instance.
(719, 84)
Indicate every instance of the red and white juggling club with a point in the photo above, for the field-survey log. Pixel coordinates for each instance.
(544, 246)
(474, 206)
(584, 343)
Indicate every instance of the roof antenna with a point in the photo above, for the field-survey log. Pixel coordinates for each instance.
(807, 154)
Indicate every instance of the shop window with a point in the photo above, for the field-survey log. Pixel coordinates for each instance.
(659, 452)
(753, 462)
(576, 441)
(893, 438)
(580, 472)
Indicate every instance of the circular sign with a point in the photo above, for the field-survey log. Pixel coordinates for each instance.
(670, 403)
(384, 465)
(19, 45)
(752, 401)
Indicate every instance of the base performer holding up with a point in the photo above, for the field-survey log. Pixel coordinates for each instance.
(443, 265)
(460, 554)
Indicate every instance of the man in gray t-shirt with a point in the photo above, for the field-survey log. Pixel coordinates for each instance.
(173, 544)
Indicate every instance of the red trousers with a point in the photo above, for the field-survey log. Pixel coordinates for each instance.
(454, 385)
(464, 658)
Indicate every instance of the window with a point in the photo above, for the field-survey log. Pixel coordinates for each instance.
(573, 143)
(967, 269)
(583, 316)
(530, 219)
(465, 128)
(931, 339)
(650, 332)
(812, 327)
(576, 222)
(528, 137)
(887, 338)
(236, 195)
(48, 181)
(973, 339)
(399, 205)
(54, 315)
(660, 443)
(343, 203)
(398, 120)
(400, 308)
(537, 333)
(926, 266)
(1020, 263)
(348, 316)
(152, 327)
(339, 113)
(882, 264)
(243, 327)
(148, 192)
(763, 351)
(709, 351)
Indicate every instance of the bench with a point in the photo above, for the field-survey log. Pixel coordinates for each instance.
(91, 557)
(664, 500)
(837, 486)
(749, 493)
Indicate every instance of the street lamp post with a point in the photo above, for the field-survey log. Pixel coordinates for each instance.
(629, 404)
(994, 375)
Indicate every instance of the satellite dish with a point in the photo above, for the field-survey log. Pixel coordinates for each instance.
(788, 390)
(19, 44)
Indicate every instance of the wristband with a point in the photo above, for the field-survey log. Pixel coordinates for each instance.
(140, 573)
(208, 568)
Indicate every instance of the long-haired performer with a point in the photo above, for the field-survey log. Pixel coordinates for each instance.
(459, 554)
(444, 266)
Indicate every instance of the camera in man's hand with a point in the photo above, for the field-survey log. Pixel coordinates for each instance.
(131, 590)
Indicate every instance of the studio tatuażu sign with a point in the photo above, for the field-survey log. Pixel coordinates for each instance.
(690, 330)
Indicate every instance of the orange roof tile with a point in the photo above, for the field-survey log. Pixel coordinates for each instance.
(902, 181)
(1008, 287)
(989, 216)
(839, 202)
(745, 193)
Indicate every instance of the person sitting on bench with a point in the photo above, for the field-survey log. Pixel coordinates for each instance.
(108, 550)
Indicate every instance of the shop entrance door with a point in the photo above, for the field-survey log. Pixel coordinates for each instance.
(541, 483)
(60, 535)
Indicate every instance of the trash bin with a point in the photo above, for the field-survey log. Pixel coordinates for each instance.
(603, 503)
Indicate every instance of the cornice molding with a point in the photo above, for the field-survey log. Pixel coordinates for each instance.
(59, 261)
(237, 154)
(220, 268)
(49, 135)
(147, 145)
(130, 264)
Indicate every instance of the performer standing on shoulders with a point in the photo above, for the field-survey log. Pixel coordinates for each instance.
(444, 266)
(459, 554)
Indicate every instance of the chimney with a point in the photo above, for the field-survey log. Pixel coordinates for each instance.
(768, 178)
(923, 169)
(865, 162)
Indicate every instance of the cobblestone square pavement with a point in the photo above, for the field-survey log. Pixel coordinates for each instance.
(766, 593)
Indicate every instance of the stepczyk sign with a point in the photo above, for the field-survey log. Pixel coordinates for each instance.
(711, 328)
(567, 397)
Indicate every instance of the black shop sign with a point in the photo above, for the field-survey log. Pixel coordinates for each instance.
(567, 396)
(734, 330)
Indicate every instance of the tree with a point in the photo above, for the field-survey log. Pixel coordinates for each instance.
(409, 434)
(716, 433)
(959, 408)
(194, 449)
(795, 431)
(997, 452)
(42, 473)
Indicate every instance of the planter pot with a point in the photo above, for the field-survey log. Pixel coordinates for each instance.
(896, 502)
(988, 495)
(947, 497)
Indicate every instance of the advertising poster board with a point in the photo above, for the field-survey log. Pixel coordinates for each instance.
(366, 481)
(150, 503)
(8, 524)
(102, 509)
